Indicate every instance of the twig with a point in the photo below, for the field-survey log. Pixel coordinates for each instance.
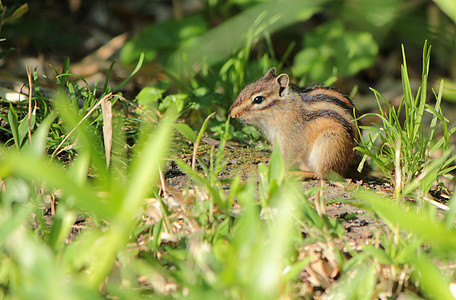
(29, 76)
(106, 109)
(436, 203)
(162, 182)
(319, 200)
(166, 195)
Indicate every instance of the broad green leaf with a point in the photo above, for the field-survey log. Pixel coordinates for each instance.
(186, 131)
(160, 40)
(448, 7)
(18, 12)
(152, 94)
(217, 44)
(177, 100)
(346, 51)
(24, 126)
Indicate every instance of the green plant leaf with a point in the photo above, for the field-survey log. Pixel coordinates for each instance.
(14, 125)
(427, 176)
(276, 166)
(18, 12)
(28, 166)
(23, 127)
(138, 66)
(448, 7)
(177, 100)
(38, 145)
(159, 40)
(186, 131)
(379, 254)
(222, 41)
(347, 51)
(152, 94)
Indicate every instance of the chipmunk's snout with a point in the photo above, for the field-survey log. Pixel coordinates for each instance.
(232, 112)
(238, 108)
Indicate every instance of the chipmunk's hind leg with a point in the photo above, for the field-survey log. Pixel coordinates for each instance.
(304, 174)
(331, 153)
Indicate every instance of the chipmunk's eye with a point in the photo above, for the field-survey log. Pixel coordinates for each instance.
(258, 99)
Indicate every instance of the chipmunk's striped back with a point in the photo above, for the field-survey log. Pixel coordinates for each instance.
(314, 127)
(326, 102)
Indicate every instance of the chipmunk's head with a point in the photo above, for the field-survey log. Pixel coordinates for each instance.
(260, 96)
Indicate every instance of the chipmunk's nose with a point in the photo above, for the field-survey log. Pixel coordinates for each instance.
(232, 112)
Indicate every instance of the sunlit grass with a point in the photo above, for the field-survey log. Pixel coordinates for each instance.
(404, 145)
(88, 229)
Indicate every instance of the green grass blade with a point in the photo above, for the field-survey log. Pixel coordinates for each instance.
(14, 125)
(435, 116)
(427, 175)
(145, 166)
(88, 138)
(138, 66)
(38, 145)
(107, 77)
(432, 282)
(219, 166)
(26, 165)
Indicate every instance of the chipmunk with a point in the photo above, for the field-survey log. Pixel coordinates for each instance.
(314, 127)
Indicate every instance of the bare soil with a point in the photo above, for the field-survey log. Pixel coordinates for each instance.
(244, 160)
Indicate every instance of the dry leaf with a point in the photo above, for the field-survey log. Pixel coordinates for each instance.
(106, 108)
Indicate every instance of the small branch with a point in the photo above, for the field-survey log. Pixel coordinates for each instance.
(29, 76)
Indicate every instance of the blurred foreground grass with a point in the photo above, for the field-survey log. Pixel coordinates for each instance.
(85, 212)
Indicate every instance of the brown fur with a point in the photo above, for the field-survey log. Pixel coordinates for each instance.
(313, 127)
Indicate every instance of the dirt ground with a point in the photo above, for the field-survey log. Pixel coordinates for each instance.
(244, 160)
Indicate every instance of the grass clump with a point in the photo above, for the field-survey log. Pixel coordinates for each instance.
(410, 155)
(402, 146)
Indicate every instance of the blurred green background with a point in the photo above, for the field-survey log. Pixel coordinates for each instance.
(211, 49)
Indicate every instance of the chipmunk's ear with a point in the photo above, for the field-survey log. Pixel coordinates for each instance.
(270, 73)
(283, 82)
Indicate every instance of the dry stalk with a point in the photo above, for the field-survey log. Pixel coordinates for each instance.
(398, 173)
(106, 109)
(29, 76)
